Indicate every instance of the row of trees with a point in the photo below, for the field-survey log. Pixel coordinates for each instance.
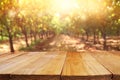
(102, 23)
(37, 18)
(17, 21)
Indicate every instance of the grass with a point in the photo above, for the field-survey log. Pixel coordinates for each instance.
(30, 46)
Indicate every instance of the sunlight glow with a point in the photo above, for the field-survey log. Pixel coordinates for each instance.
(67, 4)
(12, 13)
(83, 17)
(57, 14)
(63, 7)
(92, 6)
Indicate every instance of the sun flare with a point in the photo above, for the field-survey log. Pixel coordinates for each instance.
(64, 6)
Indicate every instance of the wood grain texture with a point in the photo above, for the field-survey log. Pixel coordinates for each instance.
(10, 65)
(110, 61)
(47, 67)
(60, 66)
(6, 56)
(82, 66)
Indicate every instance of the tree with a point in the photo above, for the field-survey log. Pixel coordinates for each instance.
(8, 11)
(22, 23)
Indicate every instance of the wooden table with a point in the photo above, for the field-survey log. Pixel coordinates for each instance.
(33, 66)
(82, 66)
(110, 61)
(58, 65)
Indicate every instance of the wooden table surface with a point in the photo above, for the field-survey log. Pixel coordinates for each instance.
(59, 65)
(109, 60)
(82, 66)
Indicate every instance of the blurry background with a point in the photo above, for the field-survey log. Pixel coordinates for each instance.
(40, 24)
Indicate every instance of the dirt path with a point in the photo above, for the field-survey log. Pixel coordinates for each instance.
(65, 42)
(57, 43)
(60, 43)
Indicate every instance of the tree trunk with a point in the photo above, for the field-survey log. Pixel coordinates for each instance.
(87, 36)
(1, 34)
(26, 39)
(94, 38)
(105, 41)
(10, 40)
(11, 43)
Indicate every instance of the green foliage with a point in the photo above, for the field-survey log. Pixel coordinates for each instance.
(3, 39)
(34, 17)
(30, 48)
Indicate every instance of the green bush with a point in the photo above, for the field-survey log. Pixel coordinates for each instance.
(31, 46)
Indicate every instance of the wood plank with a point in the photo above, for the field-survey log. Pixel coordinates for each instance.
(82, 66)
(13, 64)
(110, 61)
(6, 56)
(48, 67)
(28, 69)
